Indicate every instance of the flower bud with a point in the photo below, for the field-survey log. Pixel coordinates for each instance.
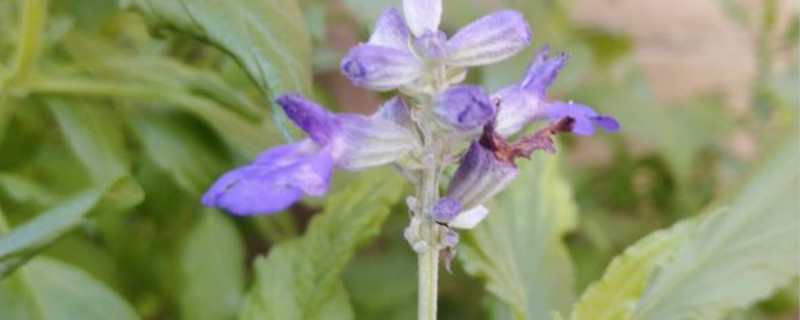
(464, 107)
(446, 209)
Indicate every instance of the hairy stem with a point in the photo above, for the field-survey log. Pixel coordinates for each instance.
(428, 284)
(428, 229)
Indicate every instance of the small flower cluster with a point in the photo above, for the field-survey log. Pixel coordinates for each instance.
(432, 124)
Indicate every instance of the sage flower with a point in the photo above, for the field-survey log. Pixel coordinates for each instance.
(400, 53)
(283, 175)
(525, 102)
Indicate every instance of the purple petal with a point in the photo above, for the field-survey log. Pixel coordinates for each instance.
(390, 30)
(366, 142)
(395, 110)
(516, 108)
(543, 72)
(585, 117)
(446, 209)
(279, 178)
(608, 123)
(380, 68)
(309, 116)
(423, 15)
(479, 176)
(450, 239)
(465, 107)
(490, 39)
(432, 45)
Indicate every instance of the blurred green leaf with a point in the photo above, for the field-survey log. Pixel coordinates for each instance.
(300, 278)
(177, 151)
(242, 135)
(19, 188)
(519, 250)
(213, 269)
(679, 131)
(268, 38)
(23, 242)
(46, 289)
(110, 60)
(95, 136)
(615, 295)
(737, 256)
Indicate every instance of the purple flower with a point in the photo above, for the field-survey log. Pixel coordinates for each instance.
(283, 175)
(526, 102)
(464, 107)
(274, 181)
(480, 176)
(400, 52)
(446, 209)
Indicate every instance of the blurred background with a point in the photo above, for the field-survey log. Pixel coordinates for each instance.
(702, 88)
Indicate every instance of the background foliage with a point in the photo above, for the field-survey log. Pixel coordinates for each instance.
(115, 117)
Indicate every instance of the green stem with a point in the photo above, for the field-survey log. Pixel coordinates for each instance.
(428, 284)
(428, 229)
(34, 14)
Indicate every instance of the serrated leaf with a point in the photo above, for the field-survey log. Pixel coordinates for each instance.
(268, 38)
(177, 151)
(95, 136)
(614, 296)
(23, 242)
(737, 256)
(300, 278)
(47, 289)
(518, 248)
(212, 267)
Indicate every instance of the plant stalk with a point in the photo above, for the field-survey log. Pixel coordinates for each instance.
(428, 284)
(428, 229)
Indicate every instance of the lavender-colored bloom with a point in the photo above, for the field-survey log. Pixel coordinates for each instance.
(464, 107)
(432, 45)
(480, 176)
(391, 59)
(356, 141)
(543, 71)
(283, 175)
(525, 102)
(390, 31)
(277, 179)
(585, 117)
(490, 39)
(450, 239)
(446, 209)
(380, 68)
(423, 15)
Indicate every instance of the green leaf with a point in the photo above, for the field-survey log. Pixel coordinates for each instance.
(268, 38)
(177, 151)
(212, 267)
(300, 278)
(95, 136)
(109, 59)
(615, 295)
(22, 189)
(23, 242)
(737, 256)
(47, 289)
(518, 249)
(707, 266)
